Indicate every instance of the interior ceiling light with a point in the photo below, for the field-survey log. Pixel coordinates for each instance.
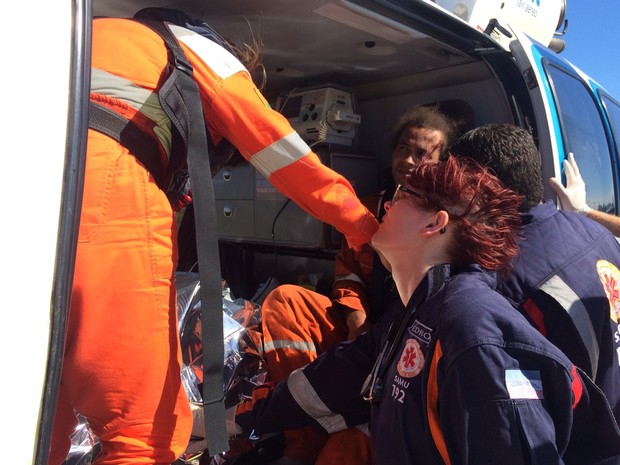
(368, 21)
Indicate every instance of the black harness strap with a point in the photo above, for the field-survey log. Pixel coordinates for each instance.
(125, 132)
(180, 99)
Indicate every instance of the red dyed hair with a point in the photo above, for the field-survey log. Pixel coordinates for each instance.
(484, 213)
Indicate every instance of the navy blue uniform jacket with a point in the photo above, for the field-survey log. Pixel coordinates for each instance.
(470, 382)
(567, 283)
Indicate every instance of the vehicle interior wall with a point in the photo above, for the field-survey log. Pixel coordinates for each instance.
(387, 67)
(471, 102)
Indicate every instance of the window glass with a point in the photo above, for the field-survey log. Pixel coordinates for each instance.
(584, 135)
(612, 108)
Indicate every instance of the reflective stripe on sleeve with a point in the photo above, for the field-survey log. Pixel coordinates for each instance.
(307, 398)
(570, 302)
(280, 154)
(305, 346)
(143, 100)
(349, 277)
(220, 60)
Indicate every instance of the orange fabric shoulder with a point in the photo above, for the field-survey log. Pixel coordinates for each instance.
(129, 50)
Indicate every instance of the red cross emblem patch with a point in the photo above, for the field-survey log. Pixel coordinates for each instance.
(411, 360)
(610, 279)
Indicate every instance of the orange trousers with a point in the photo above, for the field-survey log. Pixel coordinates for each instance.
(121, 366)
(298, 325)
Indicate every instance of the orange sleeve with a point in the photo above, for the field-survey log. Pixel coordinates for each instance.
(353, 270)
(236, 110)
(327, 196)
(347, 290)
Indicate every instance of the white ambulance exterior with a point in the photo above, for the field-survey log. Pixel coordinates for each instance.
(390, 54)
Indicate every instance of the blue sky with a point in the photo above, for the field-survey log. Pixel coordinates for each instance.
(592, 42)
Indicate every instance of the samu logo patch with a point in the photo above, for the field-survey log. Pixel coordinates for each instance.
(610, 278)
(411, 360)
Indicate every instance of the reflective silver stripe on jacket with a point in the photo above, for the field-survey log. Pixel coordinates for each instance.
(307, 398)
(349, 277)
(306, 346)
(220, 60)
(365, 428)
(566, 297)
(145, 101)
(280, 154)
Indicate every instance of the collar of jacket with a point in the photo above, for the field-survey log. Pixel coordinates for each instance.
(539, 213)
(440, 275)
(435, 280)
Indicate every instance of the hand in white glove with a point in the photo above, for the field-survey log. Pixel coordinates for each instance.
(573, 196)
(198, 427)
(232, 428)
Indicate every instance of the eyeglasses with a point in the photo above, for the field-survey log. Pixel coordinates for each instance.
(402, 192)
(398, 193)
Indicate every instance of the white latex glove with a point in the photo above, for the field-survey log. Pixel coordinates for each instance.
(573, 196)
(232, 428)
(198, 430)
(198, 427)
(196, 446)
(198, 416)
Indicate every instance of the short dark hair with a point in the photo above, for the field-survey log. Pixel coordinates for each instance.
(483, 213)
(511, 154)
(428, 117)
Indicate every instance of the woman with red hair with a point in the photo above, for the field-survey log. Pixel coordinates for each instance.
(452, 374)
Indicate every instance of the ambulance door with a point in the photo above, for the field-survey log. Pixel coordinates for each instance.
(44, 142)
(611, 114)
(569, 118)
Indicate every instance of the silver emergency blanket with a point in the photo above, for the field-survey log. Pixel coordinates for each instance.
(239, 317)
(243, 363)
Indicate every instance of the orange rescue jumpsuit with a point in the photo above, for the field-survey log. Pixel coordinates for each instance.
(299, 324)
(122, 364)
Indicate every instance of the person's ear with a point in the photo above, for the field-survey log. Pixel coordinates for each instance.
(437, 223)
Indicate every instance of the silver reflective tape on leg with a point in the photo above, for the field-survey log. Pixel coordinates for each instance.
(302, 346)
